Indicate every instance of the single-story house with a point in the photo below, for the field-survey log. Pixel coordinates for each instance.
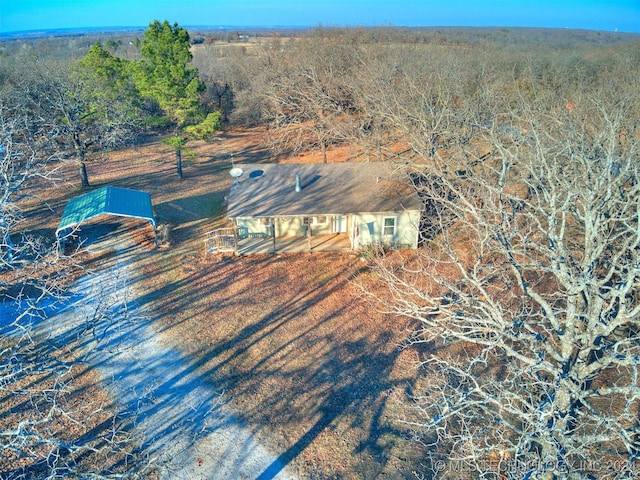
(365, 203)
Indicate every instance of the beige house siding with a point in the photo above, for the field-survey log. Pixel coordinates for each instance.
(295, 226)
(370, 228)
(252, 226)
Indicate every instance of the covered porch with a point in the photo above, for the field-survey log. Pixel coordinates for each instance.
(242, 242)
(335, 242)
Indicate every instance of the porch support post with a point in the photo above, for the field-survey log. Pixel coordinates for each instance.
(309, 236)
(236, 239)
(273, 234)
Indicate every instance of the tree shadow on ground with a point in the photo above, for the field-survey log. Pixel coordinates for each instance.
(295, 358)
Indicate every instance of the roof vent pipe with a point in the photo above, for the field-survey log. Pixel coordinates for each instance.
(298, 186)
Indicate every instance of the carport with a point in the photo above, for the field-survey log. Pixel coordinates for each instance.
(107, 200)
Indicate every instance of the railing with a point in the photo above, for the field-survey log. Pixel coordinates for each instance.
(221, 240)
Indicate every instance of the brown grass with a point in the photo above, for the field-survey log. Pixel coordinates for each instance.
(307, 362)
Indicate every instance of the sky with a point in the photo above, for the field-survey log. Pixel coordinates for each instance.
(606, 15)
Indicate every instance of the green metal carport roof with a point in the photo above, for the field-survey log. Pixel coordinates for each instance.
(110, 201)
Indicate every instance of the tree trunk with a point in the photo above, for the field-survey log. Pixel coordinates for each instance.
(80, 152)
(83, 175)
(324, 151)
(179, 163)
(6, 239)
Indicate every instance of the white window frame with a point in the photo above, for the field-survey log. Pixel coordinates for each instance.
(394, 227)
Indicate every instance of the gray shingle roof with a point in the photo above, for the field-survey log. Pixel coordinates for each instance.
(269, 190)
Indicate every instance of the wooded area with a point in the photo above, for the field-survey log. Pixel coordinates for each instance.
(524, 147)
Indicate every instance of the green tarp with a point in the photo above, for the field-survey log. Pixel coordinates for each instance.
(110, 201)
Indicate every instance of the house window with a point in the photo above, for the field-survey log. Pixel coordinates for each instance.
(322, 220)
(389, 226)
(265, 222)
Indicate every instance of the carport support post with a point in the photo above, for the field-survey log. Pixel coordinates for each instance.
(58, 247)
(155, 235)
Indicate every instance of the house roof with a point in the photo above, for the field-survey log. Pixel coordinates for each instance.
(269, 190)
(107, 200)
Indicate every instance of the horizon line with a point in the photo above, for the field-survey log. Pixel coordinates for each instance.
(120, 28)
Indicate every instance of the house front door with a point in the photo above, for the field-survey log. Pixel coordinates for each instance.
(339, 224)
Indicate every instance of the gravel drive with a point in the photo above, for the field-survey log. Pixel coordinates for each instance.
(187, 430)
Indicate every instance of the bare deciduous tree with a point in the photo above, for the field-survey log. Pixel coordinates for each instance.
(83, 112)
(25, 155)
(308, 99)
(528, 298)
(55, 422)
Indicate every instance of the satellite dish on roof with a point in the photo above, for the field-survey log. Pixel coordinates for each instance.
(235, 172)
